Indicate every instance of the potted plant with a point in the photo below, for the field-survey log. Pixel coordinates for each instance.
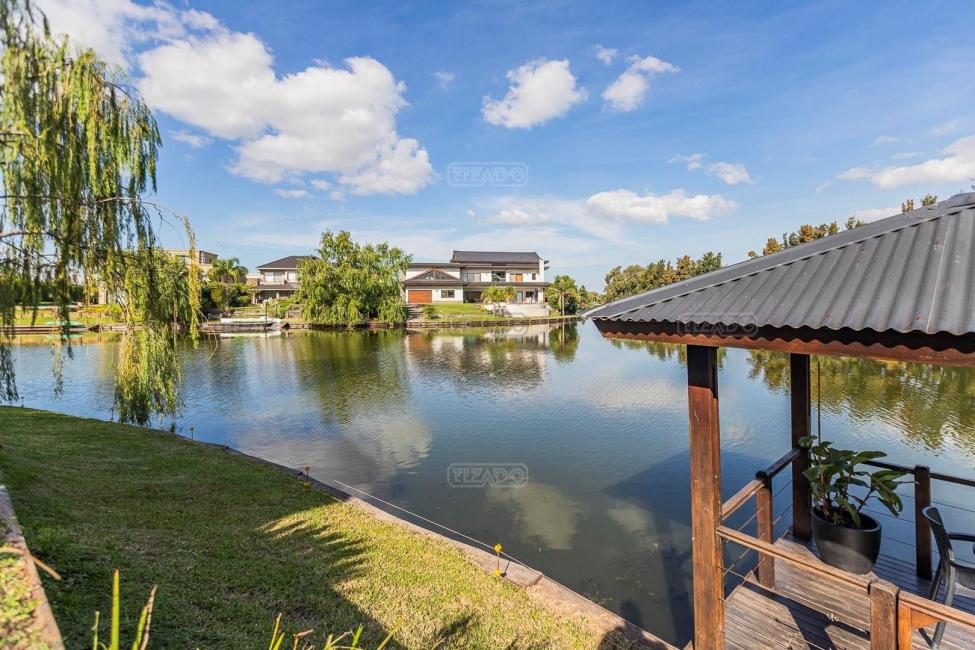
(846, 537)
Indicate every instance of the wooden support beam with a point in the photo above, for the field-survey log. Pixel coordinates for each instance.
(705, 439)
(801, 427)
(763, 506)
(884, 630)
(922, 527)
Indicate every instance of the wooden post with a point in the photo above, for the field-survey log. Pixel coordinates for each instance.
(801, 410)
(763, 505)
(702, 404)
(883, 615)
(905, 630)
(922, 527)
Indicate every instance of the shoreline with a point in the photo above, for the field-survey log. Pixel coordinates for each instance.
(213, 327)
(546, 593)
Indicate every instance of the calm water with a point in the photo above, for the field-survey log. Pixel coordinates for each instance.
(600, 425)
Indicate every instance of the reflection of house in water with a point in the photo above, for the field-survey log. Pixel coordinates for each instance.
(505, 356)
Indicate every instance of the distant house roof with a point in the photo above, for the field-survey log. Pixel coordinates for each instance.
(433, 265)
(285, 263)
(912, 272)
(460, 257)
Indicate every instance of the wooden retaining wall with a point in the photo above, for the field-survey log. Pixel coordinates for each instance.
(14, 537)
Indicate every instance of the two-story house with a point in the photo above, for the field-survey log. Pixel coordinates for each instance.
(204, 258)
(468, 273)
(278, 279)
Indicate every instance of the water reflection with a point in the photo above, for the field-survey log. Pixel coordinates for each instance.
(600, 424)
(930, 405)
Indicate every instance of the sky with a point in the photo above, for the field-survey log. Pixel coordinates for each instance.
(597, 134)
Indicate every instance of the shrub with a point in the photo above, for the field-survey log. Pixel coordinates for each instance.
(429, 312)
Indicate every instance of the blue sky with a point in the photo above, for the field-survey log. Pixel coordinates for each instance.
(647, 130)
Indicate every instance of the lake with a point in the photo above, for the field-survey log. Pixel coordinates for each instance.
(599, 426)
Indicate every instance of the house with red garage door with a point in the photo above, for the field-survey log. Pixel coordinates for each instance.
(469, 273)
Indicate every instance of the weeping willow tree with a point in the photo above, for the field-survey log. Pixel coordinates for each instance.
(78, 152)
(350, 283)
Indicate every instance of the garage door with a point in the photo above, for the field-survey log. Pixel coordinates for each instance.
(420, 295)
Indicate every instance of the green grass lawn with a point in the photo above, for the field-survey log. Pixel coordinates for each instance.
(89, 317)
(465, 311)
(231, 542)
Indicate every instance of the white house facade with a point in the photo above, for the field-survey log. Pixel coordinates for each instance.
(278, 279)
(469, 273)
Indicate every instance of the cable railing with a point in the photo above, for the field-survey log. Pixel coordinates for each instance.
(894, 614)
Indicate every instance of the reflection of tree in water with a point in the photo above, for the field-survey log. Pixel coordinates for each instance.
(355, 373)
(508, 356)
(563, 341)
(928, 403)
(664, 351)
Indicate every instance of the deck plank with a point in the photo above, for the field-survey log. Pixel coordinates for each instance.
(808, 611)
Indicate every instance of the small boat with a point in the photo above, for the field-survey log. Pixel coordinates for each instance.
(73, 325)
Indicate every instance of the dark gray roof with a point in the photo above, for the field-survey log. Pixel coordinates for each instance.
(289, 262)
(494, 256)
(912, 272)
(439, 265)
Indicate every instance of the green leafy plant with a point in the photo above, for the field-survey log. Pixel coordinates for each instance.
(141, 640)
(833, 472)
(344, 641)
(429, 312)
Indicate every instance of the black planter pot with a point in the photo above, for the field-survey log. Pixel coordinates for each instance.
(851, 549)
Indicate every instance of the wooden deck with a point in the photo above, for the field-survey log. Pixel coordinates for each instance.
(805, 610)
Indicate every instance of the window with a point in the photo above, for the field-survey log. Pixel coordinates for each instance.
(472, 277)
(497, 276)
(446, 293)
(534, 276)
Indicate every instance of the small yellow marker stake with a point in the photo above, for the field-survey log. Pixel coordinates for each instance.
(497, 551)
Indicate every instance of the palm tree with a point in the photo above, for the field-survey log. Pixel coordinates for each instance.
(227, 270)
(497, 295)
(562, 288)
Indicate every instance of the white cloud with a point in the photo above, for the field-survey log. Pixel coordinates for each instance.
(540, 91)
(624, 205)
(630, 89)
(728, 173)
(951, 126)
(606, 54)
(195, 140)
(694, 160)
(956, 164)
(904, 155)
(293, 194)
(320, 120)
(885, 139)
(603, 214)
(872, 214)
(445, 78)
(320, 184)
(113, 27)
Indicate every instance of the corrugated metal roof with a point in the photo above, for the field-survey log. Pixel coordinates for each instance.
(912, 272)
(494, 256)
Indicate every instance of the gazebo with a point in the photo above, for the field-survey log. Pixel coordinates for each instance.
(902, 288)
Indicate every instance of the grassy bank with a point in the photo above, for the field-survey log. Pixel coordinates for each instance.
(231, 542)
